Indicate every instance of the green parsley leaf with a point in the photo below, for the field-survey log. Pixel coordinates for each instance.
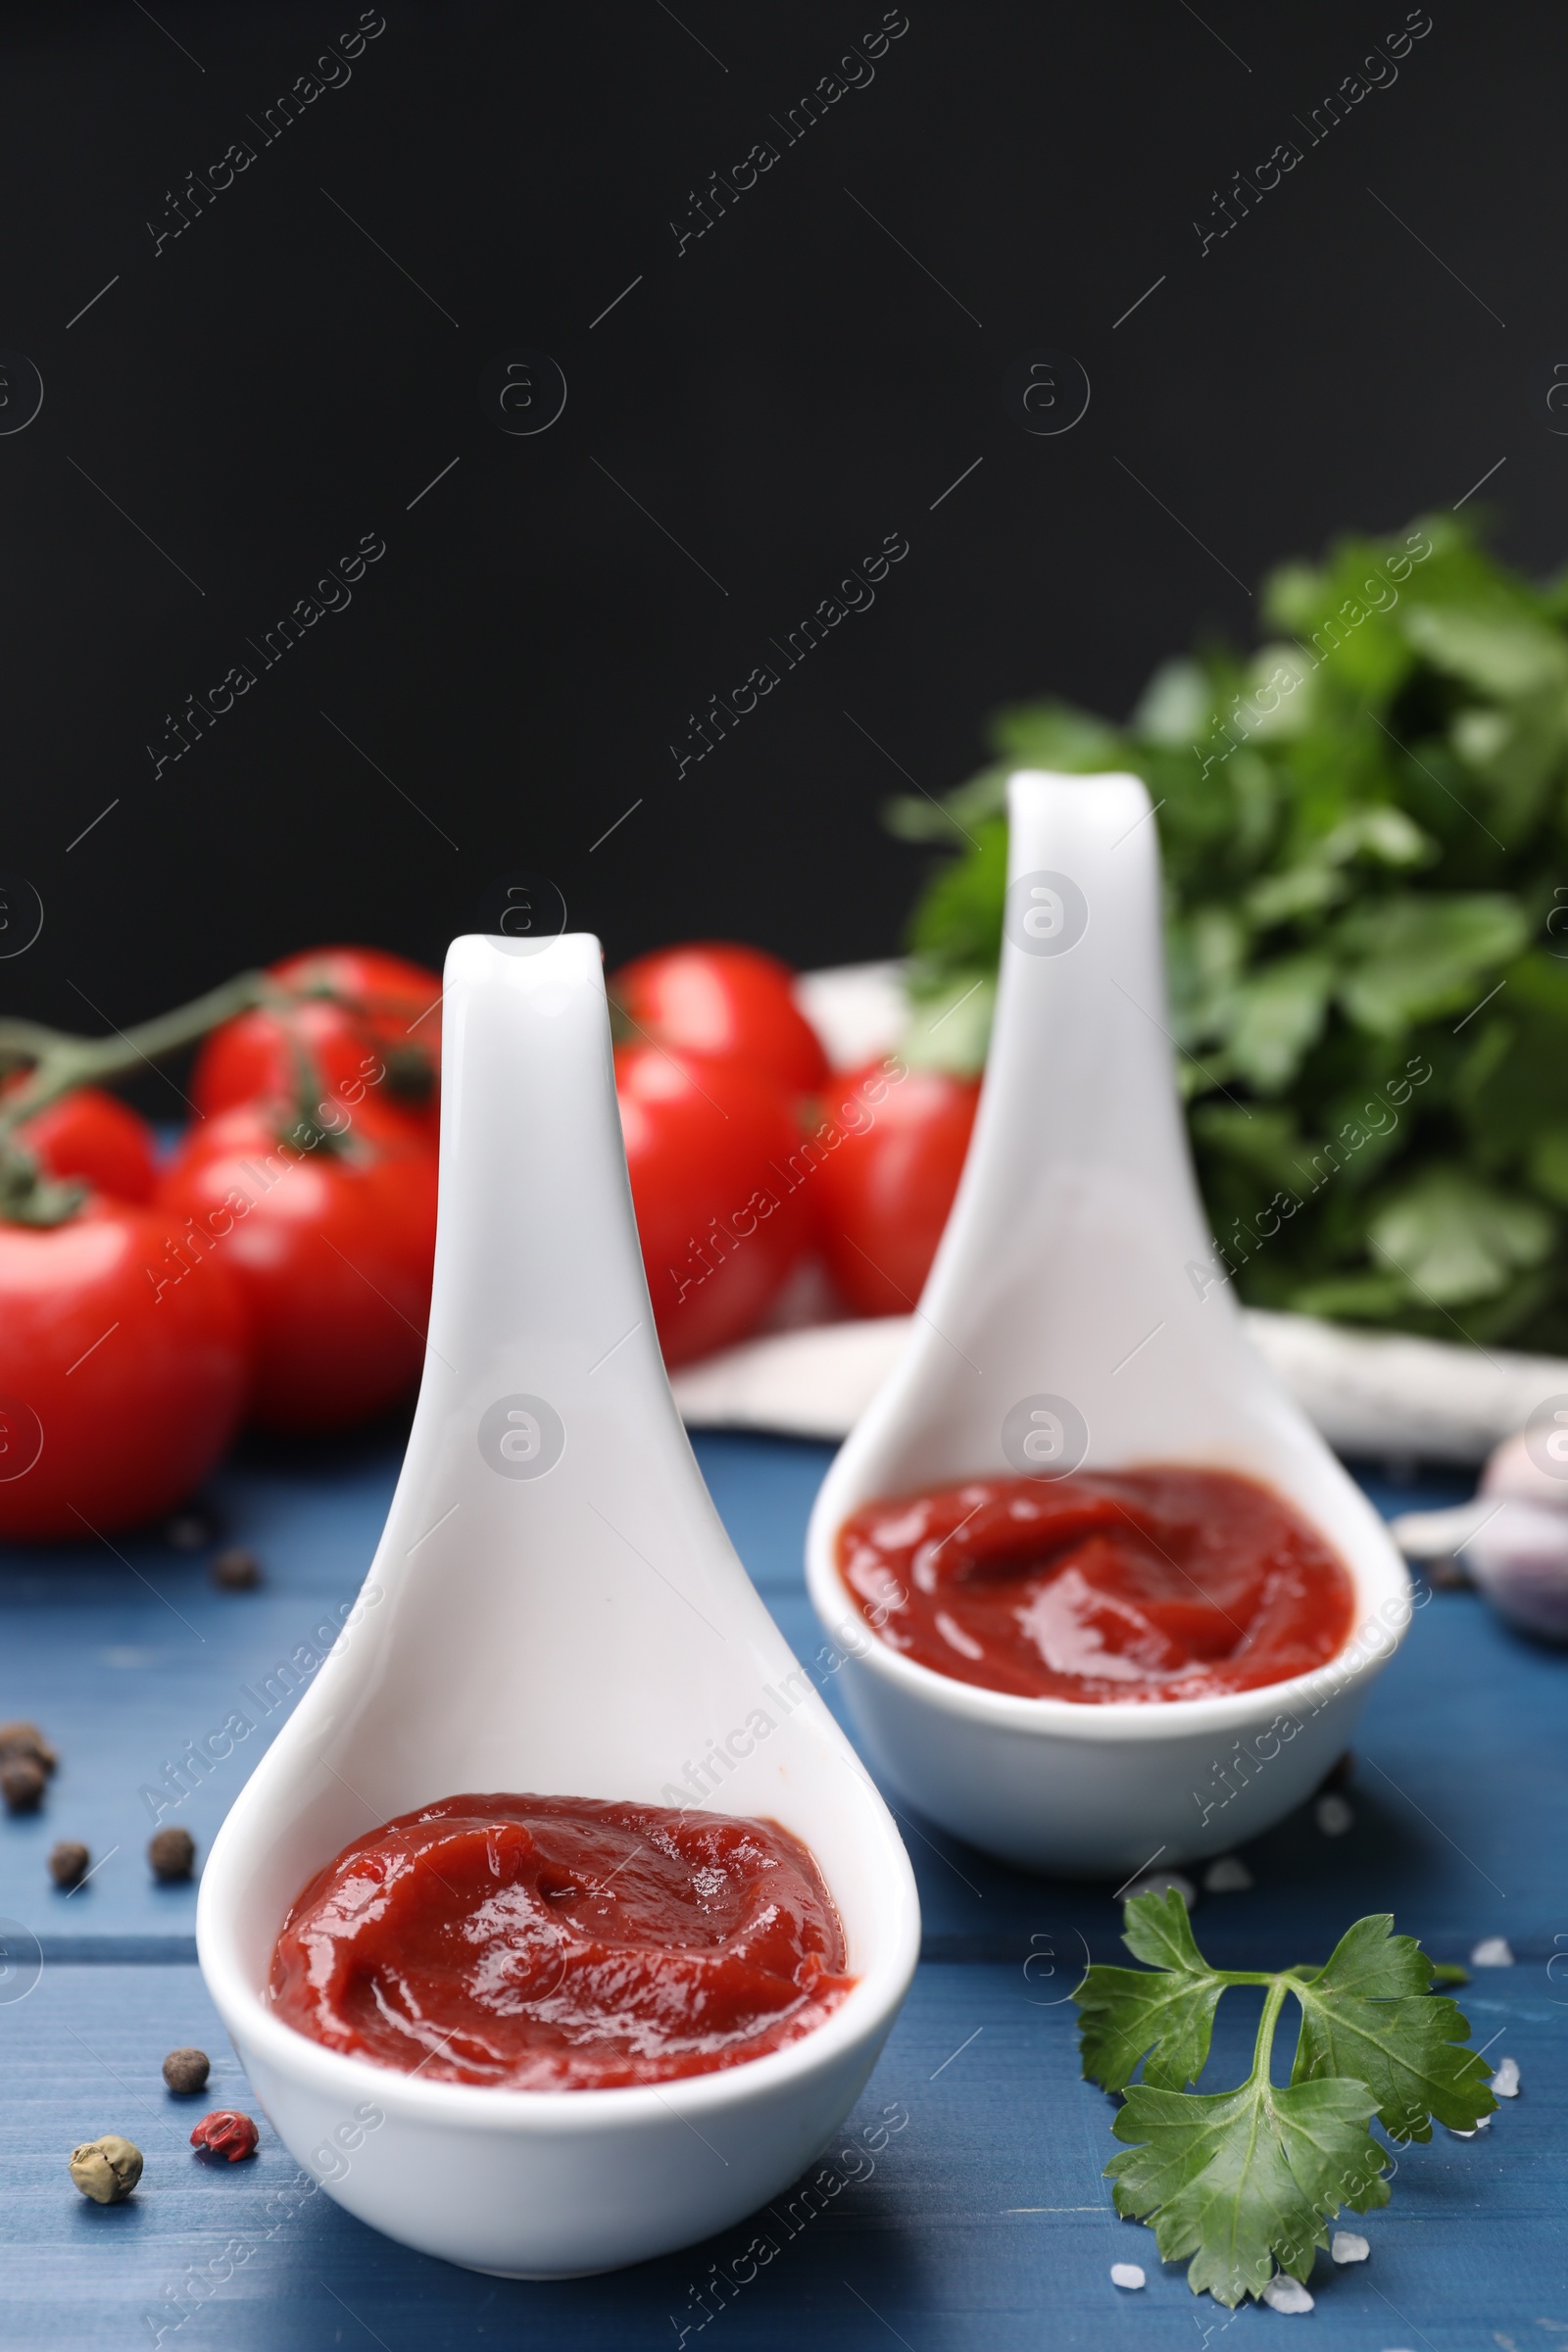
(1361, 821)
(1237, 2182)
(1247, 2178)
(1368, 2014)
(1166, 2018)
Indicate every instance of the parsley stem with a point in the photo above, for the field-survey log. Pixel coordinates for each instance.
(1272, 2006)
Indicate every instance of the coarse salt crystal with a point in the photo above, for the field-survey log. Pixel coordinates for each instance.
(1333, 1816)
(1492, 1952)
(1286, 2294)
(1470, 2134)
(1228, 1876)
(1349, 2247)
(1126, 2274)
(1505, 2082)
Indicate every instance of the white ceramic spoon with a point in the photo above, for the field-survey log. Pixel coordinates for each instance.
(1075, 1313)
(554, 1607)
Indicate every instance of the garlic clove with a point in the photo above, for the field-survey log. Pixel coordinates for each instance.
(1519, 1559)
(1525, 1469)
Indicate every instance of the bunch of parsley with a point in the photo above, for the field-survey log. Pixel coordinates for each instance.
(1242, 2181)
(1365, 828)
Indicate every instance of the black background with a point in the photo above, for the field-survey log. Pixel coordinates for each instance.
(788, 389)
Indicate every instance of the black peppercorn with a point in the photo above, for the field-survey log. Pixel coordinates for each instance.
(26, 1739)
(22, 1783)
(193, 1529)
(236, 1571)
(68, 1862)
(172, 1854)
(187, 2071)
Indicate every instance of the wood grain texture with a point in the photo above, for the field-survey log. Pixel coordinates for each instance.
(963, 2206)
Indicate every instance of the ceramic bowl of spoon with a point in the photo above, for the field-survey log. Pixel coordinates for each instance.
(554, 1607)
(1077, 1266)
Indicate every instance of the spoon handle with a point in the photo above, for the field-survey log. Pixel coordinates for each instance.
(536, 1248)
(1079, 1109)
(546, 1446)
(1083, 1051)
(1076, 1279)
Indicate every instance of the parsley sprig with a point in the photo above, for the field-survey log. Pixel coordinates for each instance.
(1360, 824)
(1242, 2179)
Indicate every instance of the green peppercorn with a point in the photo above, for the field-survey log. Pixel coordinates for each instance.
(106, 2170)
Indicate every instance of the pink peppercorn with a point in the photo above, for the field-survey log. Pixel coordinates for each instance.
(226, 2133)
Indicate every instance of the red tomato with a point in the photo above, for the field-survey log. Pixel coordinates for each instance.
(356, 1009)
(719, 1210)
(728, 1001)
(884, 1194)
(122, 1380)
(95, 1136)
(331, 1249)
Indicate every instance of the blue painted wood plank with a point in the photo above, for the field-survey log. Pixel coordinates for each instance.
(981, 2222)
(1460, 1805)
(961, 2206)
(128, 1656)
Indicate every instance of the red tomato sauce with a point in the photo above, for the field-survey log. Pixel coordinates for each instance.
(558, 1943)
(1126, 1584)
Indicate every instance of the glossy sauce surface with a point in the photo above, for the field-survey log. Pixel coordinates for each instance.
(560, 1943)
(1110, 1585)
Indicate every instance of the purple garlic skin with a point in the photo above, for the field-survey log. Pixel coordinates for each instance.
(1519, 1557)
(1526, 1469)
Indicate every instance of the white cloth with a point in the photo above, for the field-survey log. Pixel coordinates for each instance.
(1371, 1394)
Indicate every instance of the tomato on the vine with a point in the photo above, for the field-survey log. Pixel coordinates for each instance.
(95, 1136)
(354, 1012)
(714, 998)
(884, 1192)
(712, 1150)
(118, 1388)
(330, 1237)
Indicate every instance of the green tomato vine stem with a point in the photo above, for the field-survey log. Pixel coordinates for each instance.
(62, 1063)
(58, 1063)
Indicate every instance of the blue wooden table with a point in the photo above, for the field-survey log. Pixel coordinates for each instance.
(964, 2204)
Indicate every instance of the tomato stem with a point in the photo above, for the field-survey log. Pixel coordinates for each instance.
(60, 1062)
